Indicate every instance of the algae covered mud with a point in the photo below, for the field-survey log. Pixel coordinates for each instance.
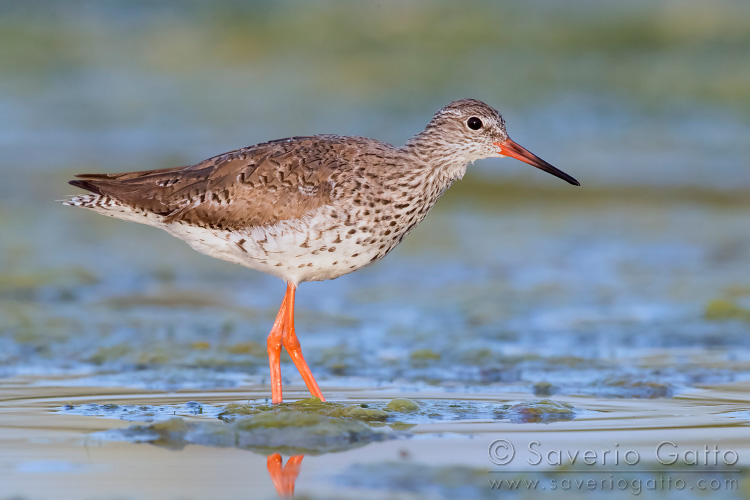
(527, 340)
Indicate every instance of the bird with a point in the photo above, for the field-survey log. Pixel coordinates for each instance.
(308, 208)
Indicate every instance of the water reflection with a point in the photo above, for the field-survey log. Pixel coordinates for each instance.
(284, 477)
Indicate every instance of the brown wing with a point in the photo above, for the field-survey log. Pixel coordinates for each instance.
(258, 185)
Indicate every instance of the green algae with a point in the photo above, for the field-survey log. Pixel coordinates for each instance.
(366, 414)
(249, 347)
(402, 406)
(543, 389)
(45, 278)
(292, 432)
(310, 405)
(200, 345)
(540, 411)
(399, 413)
(725, 309)
(569, 361)
(631, 387)
(425, 354)
(157, 356)
(169, 298)
(402, 414)
(111, 353)
(40, 337)
(235, 409)
(169, 432)
(270, 420)
(401, 426)
(424, 357)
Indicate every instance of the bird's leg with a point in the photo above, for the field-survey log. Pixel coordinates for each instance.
(291, 472)
(284, 479)
(273, 464)
(274, 351)
(291, 343)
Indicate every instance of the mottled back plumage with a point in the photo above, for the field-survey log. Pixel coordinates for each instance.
(248, 187)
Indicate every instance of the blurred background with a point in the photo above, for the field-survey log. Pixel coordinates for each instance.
(636, 284)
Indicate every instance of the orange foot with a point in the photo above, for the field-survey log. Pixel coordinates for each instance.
(283, 333)
(284, 479)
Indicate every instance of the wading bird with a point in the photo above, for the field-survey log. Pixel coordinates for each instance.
(308, 208)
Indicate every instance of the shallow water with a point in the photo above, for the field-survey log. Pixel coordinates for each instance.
(49, 451)
(574, 327)
(597, 321)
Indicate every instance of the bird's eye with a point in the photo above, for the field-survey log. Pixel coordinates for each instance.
(474, 123)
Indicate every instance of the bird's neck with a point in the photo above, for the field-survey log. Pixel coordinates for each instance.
(435, 160)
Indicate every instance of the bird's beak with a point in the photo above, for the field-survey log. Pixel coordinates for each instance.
(515, 150)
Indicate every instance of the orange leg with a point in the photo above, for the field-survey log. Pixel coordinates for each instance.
(273, 464)
(291, 472)
(284, 479)
(291, 343)
(274, 352)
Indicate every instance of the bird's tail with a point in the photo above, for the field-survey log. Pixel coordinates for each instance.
(94, 199)
(101, 201)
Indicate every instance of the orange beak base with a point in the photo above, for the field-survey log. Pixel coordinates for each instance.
(515, 150)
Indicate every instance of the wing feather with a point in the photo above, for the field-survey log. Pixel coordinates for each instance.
(254, 186)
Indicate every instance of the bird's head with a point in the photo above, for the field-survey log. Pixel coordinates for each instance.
(475, 130)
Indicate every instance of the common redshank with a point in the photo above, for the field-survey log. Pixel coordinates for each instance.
(308, 208)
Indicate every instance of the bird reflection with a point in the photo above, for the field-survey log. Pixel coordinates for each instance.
(284, 477)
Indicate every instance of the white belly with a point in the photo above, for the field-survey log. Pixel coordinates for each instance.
(295, 251)
(314, 248)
